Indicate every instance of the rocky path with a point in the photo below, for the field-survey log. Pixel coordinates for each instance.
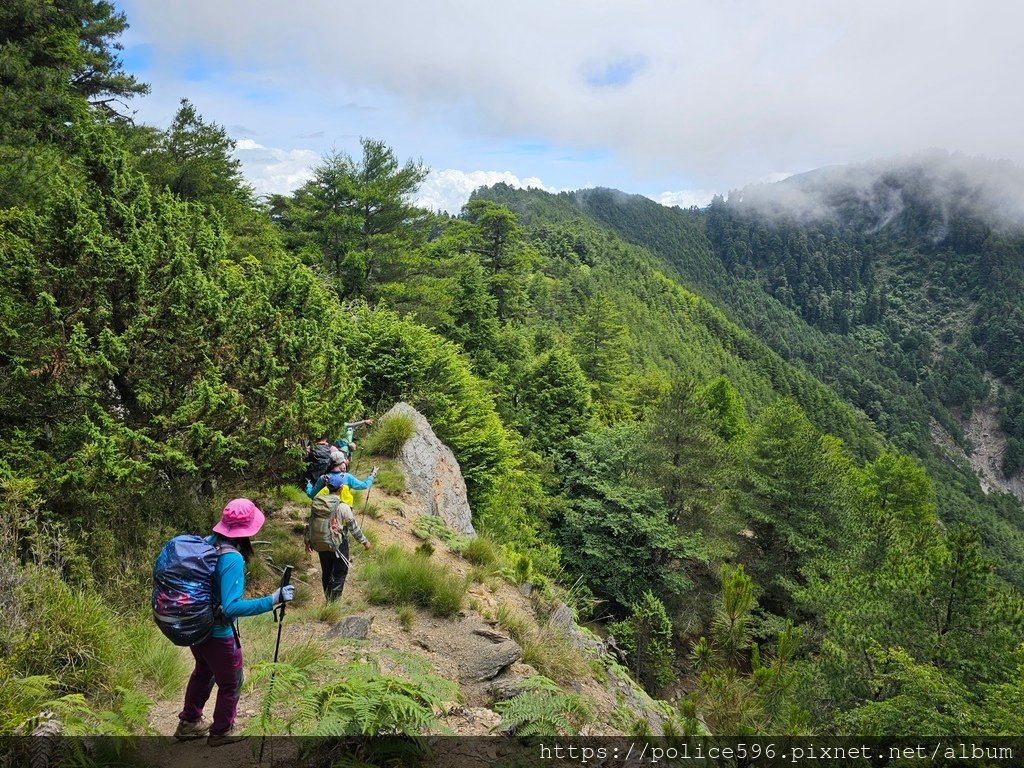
(470, 649)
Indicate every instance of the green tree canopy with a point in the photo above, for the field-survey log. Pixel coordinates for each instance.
(56, 56)
(358, 214)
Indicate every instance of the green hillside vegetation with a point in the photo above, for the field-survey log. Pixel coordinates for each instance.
(892, 354)
(639, 411)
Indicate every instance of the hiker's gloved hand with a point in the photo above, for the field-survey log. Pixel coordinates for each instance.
(284, 594)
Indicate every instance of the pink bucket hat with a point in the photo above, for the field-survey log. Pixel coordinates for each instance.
(240, 518)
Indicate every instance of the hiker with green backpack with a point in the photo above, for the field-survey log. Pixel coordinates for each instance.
(198, 585)
(330, 520)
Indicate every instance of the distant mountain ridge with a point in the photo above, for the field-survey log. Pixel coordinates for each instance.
(896, 283)
(937, 186)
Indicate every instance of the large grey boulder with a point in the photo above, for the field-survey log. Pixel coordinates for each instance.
(433, 474)
(490, 661)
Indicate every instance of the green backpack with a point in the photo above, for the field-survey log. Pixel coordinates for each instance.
(319, 534)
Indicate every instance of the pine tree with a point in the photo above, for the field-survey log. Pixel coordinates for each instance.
(601, 343)
(194, 159)
(504, 256)
(358, 214)
(725, 403)
(686, 459)
(646, 637)
(794, 490)
(555, 400)
(730, 701)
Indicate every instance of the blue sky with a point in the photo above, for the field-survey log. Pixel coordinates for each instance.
(675, 100)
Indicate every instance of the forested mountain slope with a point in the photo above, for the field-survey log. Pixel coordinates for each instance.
(707, 431)
(860, 299)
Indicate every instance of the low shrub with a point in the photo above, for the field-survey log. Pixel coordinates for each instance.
(429, 527)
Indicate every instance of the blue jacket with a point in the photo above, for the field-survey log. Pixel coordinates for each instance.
(229, 584)
(350, 480)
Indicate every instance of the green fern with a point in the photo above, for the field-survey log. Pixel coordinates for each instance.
(543, 709)
(27, 703)
(358, 700)
(420, 671)
(282, 683)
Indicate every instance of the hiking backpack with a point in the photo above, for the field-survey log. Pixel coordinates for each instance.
(184, 606)
(319, 461)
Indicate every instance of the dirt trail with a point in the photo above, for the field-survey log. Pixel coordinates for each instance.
(448, 644)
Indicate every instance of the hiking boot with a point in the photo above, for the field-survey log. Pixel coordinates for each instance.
(230, 736)
(187, 731)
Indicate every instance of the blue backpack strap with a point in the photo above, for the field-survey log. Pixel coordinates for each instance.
(222, 548)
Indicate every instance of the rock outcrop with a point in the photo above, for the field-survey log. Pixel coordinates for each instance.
(351, 628)
(433, 474)
(490, 661)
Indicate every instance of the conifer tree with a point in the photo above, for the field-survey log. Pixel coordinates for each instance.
(358, 213)
(555, 400)
(194, 159)
(794, 490)
(724, 402)
(601, 343)
(615, 531)
(504, 256)
(646, 637)
(728, 699)
(57, 56)
(686, 459)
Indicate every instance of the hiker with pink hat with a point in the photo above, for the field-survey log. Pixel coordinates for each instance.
(219, 658)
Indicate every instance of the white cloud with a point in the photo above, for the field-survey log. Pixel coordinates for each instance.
(275, 171)
(728, 92)
(685, 198)
(448, 190)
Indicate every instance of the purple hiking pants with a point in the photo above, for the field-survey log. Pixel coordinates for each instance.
(218, 660)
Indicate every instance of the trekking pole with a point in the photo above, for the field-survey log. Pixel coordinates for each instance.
(366, 500)
(286, 578)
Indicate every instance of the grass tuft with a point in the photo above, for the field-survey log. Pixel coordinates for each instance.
(292, 494)
(397, 577)
(544, 647)
(331, 613)
(74, 637)
(406, 617)
(389, 435)
(158, 662)
(390, 479)
(480, 551)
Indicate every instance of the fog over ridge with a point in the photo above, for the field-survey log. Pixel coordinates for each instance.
(871, 195)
